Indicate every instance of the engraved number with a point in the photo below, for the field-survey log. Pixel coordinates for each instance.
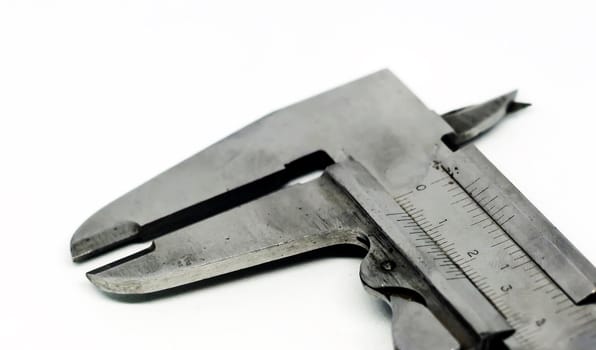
(506, 288)
(472, 253)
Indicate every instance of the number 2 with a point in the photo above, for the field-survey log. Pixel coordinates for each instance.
(471, 253)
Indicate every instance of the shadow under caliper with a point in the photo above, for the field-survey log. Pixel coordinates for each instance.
(385, 157)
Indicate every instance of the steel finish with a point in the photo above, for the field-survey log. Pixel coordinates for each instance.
(462, 257)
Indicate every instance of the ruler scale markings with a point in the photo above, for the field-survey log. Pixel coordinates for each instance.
(451, 270)
(536, 327)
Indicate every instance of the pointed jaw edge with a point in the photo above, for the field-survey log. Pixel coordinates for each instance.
(84, 246)
(115, 285)
(118, 285)
(102, 279)
(515, 106)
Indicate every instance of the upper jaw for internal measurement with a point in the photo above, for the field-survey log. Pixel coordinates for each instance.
(470, 122)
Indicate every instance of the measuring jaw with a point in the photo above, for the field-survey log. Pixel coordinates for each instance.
(462, 257)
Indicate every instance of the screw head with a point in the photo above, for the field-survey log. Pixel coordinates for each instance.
(387, 265)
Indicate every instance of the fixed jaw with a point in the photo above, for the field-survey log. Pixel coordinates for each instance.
(340, 122)
(375, 119)
(85, 244)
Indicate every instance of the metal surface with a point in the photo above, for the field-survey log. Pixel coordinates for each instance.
(462, 257)
(415, 327)
(472, 121)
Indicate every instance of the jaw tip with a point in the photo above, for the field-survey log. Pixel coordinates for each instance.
(510, 95)
(85, 245)
(100, 282)
(123, 276)
(515, 106)
(78, 256)
(108, 285)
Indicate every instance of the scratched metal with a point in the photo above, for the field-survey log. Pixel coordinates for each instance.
(461, 212)
(442, 226)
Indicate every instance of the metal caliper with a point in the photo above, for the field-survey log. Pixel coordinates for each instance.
(462, 257)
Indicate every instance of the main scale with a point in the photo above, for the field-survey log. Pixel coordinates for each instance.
(462, 257)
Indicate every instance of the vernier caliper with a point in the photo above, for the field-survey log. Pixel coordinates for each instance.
(462, 257)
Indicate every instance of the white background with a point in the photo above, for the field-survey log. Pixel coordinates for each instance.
(98, 96)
